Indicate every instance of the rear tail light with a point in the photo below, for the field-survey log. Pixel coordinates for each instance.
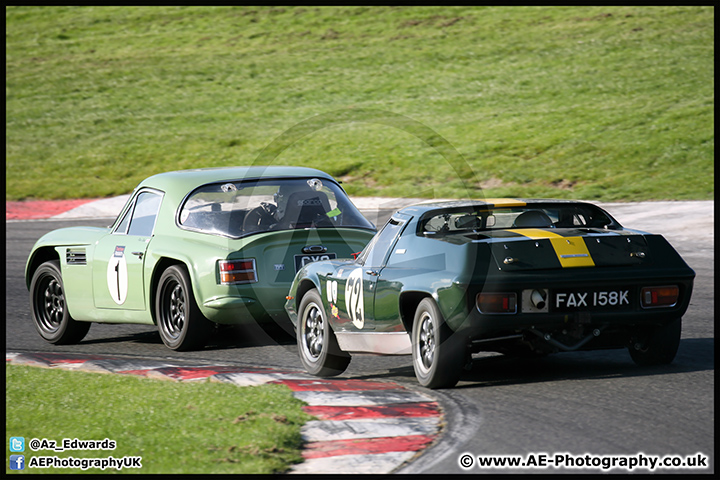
(237, 271)
(496, 302)
(666, 296)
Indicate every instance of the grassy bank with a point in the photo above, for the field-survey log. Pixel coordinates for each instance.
(176, 427)
(604, 103)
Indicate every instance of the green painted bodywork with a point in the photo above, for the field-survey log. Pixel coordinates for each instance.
(453, 269)
(87, 292)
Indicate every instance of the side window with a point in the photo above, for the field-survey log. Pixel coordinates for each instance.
(374, 254)
(141, 216)
(122, 227)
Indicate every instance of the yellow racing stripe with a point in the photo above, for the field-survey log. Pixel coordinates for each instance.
(571, 251)
(505, 202)
(535, 233)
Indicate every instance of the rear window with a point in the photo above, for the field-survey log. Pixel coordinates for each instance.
(237, 209)
(474, 219)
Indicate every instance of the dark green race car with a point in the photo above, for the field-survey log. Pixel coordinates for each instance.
(441, 281)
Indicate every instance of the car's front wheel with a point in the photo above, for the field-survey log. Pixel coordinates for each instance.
(49, 309)
(319, 351)
(438, 355)
(181, 324)
(657, 346)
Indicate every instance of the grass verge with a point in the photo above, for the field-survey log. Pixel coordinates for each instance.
(176, 427)
(607, 103)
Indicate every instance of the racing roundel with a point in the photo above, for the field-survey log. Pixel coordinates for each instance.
(117, 276)
(354, 302)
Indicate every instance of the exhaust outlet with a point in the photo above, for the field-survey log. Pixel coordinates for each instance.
(538, 299)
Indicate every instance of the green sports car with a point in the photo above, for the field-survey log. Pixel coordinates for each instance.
(192, 248)
(441, 281)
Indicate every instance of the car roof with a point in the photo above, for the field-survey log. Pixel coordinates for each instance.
(186, 180)
(422, 208)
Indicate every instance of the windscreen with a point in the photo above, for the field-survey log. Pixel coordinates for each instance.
(237, 209)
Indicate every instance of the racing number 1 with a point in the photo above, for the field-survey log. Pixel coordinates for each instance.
(117, 276)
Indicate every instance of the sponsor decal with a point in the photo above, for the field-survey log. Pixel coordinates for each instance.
(309, 202)
(331, 292)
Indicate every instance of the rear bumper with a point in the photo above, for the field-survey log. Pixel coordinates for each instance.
(587, 326)
(483, 325)
(248, 304)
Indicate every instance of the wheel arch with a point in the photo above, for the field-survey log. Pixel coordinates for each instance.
(303, 287)
(409, 302)
(38, 257)
(162, 264)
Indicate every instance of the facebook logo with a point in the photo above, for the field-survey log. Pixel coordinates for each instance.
(17, 462)
(17, 444)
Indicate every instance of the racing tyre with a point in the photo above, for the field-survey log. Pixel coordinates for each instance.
(319, 351)
(438, 355)
(49, 310)
(181, 324)
(659, 346)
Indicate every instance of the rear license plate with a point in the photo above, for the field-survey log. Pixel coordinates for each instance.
(302, 260)
(610, 299)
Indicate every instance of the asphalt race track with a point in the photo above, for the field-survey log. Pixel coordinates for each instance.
(581, 403)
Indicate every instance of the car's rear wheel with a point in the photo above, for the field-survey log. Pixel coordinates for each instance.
(49, 309)
(319, 351)
(438, 355)
(181, 324)
(657, 346)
